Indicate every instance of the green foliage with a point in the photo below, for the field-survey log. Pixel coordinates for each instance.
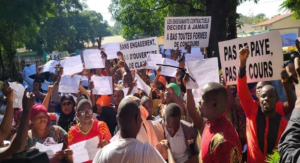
(293, 6)
(116, 29)
(253, 19)
(273, 158)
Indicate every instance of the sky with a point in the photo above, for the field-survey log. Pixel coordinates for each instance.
(268, 7)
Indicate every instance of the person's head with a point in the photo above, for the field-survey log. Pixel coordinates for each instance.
(127, 80)
(188, 48)
(146, 102)
(214, 100)
(259, 86)
(268, 99)
(67, 104)
(37, 84)
(161, 83)
(53, 76)
(118, 95)
(117, 76)
(129, 118)
(172, 89)
(172, 118)
(84, 111)
(39, 117)
(182, 63)
(20, 77)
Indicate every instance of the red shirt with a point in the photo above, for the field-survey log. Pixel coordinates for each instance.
(263, 133)
(220, 142)
(99, 128)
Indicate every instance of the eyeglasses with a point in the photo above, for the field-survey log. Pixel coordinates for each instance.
(85, 112)
(66, 104)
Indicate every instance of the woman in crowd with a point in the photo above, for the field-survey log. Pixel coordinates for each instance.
(67, 117)
(42, 132)
(87, 127)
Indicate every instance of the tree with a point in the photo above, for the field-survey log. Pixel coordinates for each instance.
(293, 6)
(116, 29)
(251, 19)
(146, 17)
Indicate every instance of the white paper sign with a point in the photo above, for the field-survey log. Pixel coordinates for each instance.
(203, 71)
(49, 66)
(30, 70)
(103, 85)
(193, 57)
(169, 71)
(136, 52)
(264, 62)
(68, 84)
(111, 50)
(153, 60)
(85, 150)
(50, 150)
(72, 65)
(92, 59)
(18, 90)
(126, 90)
(142, 85)
(192, 30)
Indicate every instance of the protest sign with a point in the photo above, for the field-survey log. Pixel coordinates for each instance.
(49, 66)
(136, 52)
(142, 85)
(29, 70)
(102, 85)
(264, 62)
(92, 59)
(126, 90)
(72, 65)
(85, 150)
(50, 150)
(169, 71)
(18, 91)
(68, 84)
(194, 31)
(111, 50)
(203, 71)
(153, 60)
(193, 57)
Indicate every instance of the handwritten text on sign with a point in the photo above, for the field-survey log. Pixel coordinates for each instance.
(136, 52)
(85, 150)
(264, 61)
(194, 31)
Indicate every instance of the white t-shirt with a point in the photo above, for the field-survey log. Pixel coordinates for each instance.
(128, 150)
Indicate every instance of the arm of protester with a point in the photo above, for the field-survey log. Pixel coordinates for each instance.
(133, 84)
(83, 90)
(107, 63)
(289, 144)
(93, 99)
(191, 107)
(287, 83)
(158, 93)
(157, 76)
(242, 87)
(231, 100)
(48, 97)
(19, 142)
(5, 126)
(122, 59)
(179, 102)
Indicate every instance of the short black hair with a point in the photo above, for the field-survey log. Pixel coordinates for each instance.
(172, 110)
(215, 89)
(128, 111)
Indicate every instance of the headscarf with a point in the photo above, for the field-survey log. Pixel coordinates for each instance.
(175, 88)
(16, 115)
(36, 109)
(64, 119)
(162, 80)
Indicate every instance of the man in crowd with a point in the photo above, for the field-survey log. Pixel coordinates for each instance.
(220, 142)
(265, 123)
(181, 135)
(128, 148)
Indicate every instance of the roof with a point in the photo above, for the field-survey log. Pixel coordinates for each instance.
(273, 20)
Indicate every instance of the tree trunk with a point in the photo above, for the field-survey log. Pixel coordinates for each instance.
(232, 32)
(218, 10)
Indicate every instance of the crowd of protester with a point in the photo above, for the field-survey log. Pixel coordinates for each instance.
(242, 123)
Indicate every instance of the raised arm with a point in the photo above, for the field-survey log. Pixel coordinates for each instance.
(21, 136)
(230, 96)
(6, 123)
(242, 87)
(121, 57)
(91, 87)
(287, 83)
(191, 107)
(289, 144)
(48, 97)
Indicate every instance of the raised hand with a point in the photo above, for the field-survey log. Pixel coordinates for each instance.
(91, 85)
(243, 55)
(158, 71)
(185, 79)
(223, 82)
(9, 93)
(121, 64)
(120, 55)
(50, 89)
(28, 101)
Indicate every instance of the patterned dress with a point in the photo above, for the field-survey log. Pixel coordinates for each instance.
(57, 133)
(98, 128)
